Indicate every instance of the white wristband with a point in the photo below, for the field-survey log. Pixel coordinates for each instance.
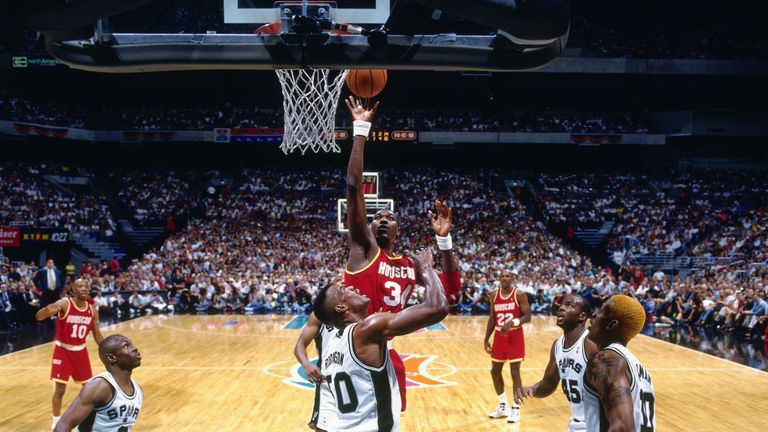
(515, 322)
(361, 128)
(444, 243)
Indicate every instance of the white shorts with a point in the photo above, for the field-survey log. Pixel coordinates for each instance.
(577, 426)
(326, 416)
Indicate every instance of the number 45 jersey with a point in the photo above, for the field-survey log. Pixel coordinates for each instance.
(571, 364)
(367, 398)
(641, 389)
(387, 281)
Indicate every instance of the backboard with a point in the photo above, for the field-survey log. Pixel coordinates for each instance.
(347, 11)
(372, 205)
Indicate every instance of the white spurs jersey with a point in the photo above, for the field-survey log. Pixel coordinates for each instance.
(571, 364)
(367, 398)
(120, 414)
(324, 410)
(643, 397)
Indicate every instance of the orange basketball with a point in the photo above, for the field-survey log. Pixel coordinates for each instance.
(367, 83)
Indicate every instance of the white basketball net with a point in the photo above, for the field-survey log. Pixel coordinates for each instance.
(310, 99)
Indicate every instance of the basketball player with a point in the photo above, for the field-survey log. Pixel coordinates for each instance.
(618, 391)
(373, 267)
(567, 360)
(324, 410)
(75, 319)
(111, 401)
(356, 366)
(509, 311)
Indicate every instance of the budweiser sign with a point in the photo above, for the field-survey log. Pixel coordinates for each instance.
(9, 236)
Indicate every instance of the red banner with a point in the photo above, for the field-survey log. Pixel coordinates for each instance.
(10, 236)
(27, 129)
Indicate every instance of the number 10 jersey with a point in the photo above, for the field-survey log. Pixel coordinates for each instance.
(367, 398)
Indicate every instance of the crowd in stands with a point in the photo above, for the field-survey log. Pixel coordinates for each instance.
(28, 199)
(667, 29)
(270, 241)
(230, 116)
(153, 197)
(697, 213)
(45, 113)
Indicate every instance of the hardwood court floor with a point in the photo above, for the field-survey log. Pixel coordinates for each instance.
(228, 373)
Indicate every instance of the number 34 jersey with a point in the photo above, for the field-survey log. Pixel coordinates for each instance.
(641, 389)
(387, 281)
(367, 398)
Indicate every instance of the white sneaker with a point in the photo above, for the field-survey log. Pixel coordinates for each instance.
(501, 412)
(514, 415)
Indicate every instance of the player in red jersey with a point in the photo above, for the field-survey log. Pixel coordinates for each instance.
(75, 319)
(387, 279)
(509, 311)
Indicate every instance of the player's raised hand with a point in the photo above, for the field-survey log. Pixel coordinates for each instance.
(313, 374)
(523, 393)
(358, 111)
(441, 223)
(422, 259)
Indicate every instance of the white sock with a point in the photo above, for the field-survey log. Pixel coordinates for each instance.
(55, 420)
(503, 398)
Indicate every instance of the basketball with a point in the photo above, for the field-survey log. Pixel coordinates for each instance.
(367, 83)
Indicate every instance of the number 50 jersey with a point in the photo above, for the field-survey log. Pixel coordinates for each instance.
(367, 398)
(387, 281)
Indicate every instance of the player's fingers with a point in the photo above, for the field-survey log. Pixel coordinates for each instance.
(375, 107)
(349, 104)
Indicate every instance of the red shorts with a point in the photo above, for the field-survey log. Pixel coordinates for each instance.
(399, 366)
(509, 348)
(73, 364)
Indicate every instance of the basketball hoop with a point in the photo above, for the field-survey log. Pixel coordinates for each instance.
(310, 96)
(310, 99)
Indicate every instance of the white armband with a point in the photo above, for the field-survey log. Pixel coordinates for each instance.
(361, 128)
(444, 243)
(515, 322)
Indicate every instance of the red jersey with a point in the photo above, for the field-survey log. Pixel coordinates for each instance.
(505, 308)
(387, 281)
(73, 328)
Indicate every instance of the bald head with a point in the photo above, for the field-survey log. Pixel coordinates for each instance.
(110, 345)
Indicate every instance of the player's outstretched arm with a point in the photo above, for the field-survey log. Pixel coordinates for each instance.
(361, 240)
(381, 326)
(546, 386)
(607, 372)
(490, 325)
(96, 326)
(308, 333)
(56, 308)
(96, 393)
(441, 223)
